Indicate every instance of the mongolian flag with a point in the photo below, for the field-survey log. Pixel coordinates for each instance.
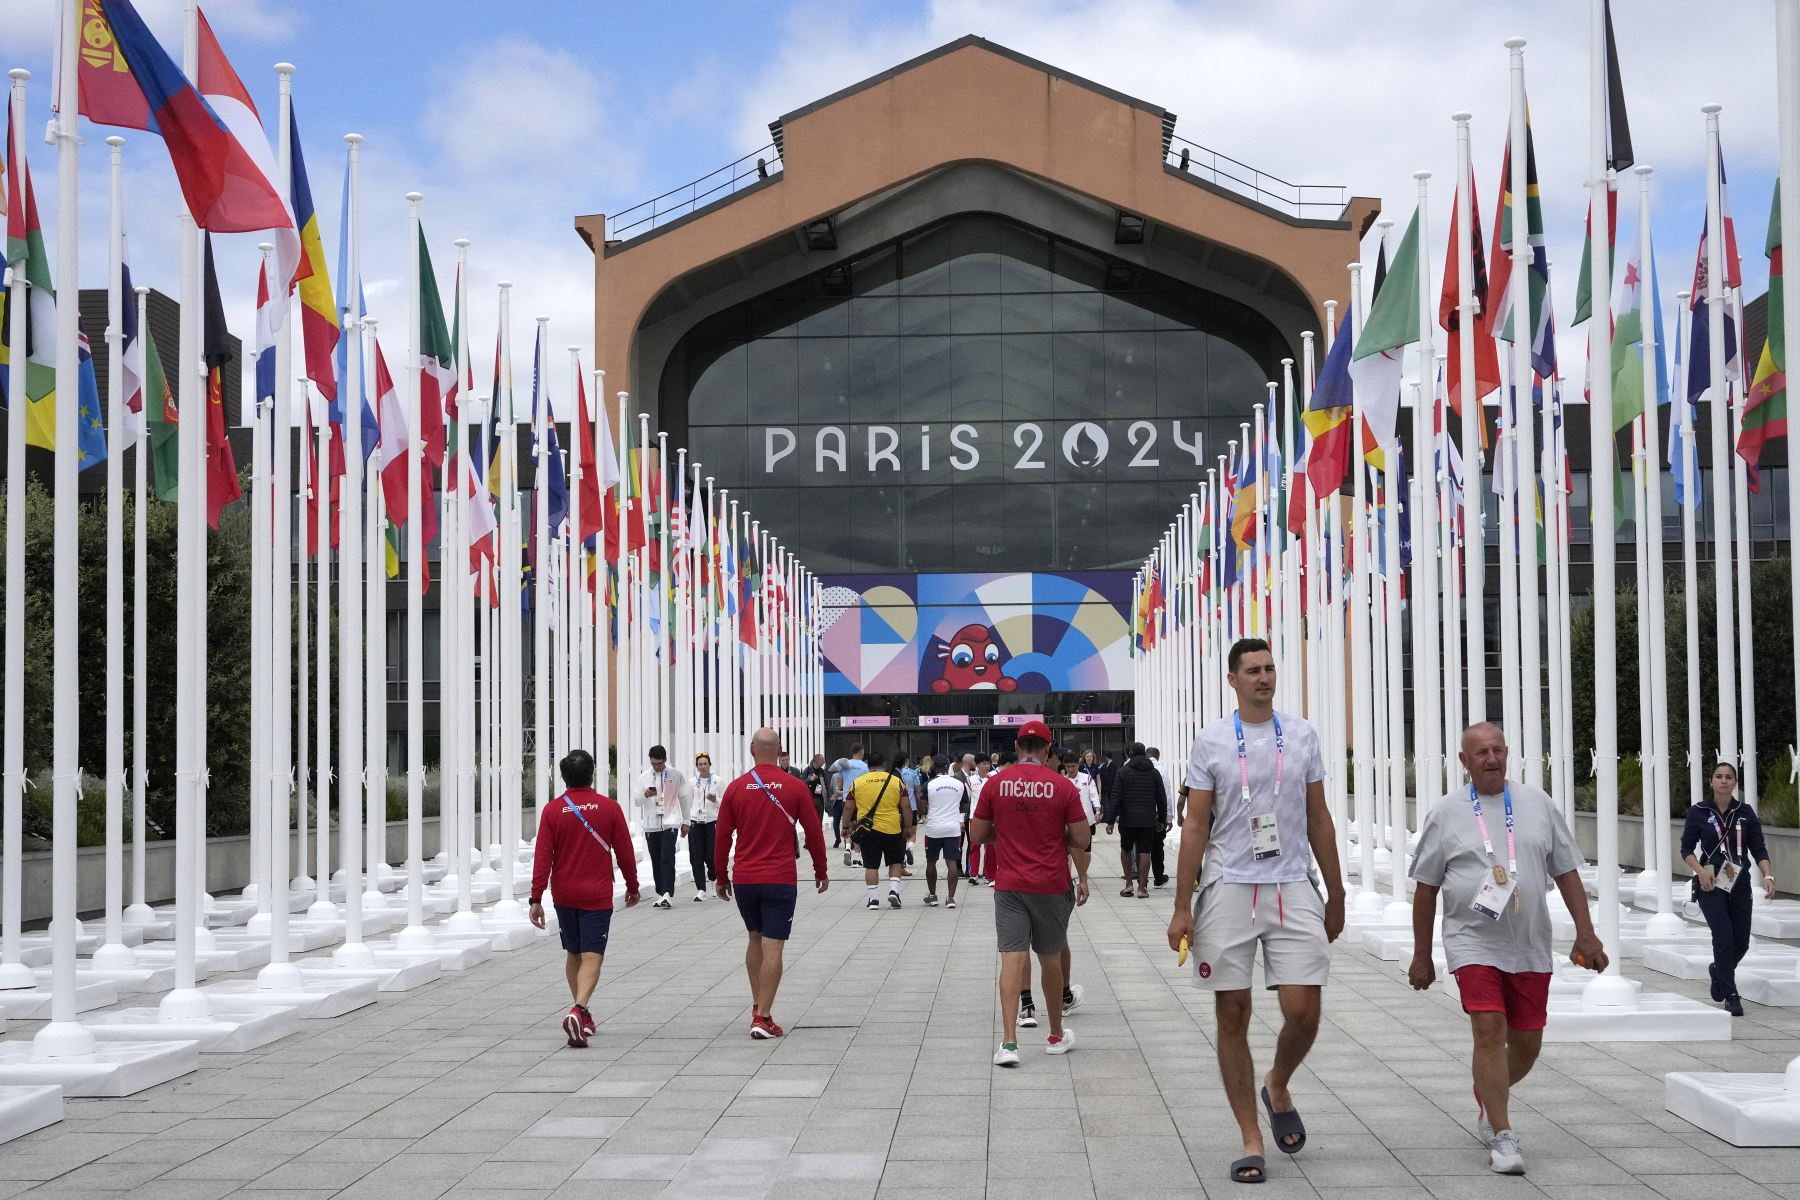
(318, 310)
(221, 471)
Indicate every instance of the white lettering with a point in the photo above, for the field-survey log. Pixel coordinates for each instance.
(1194, 447)
(1071, 444)
(1029, 431)
(828, 443)
(962, 437)
(887, 453)
(924, 447)
(1143, 457)
(1027, 789)
(770, 456)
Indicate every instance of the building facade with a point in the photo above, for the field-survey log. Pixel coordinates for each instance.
(964, 336)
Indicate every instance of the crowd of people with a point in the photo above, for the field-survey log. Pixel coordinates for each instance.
(1257, 874)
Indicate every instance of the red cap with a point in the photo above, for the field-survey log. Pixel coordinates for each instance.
(1035, 729)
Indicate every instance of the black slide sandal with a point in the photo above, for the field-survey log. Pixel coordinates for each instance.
(1285, 1124)
(1252, 1163)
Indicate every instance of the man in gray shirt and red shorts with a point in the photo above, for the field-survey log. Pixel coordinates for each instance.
(1493, 849)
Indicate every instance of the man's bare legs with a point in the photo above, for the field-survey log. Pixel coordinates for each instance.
(762, 963)
(583, 971)
(1015, 977)
(1055, 973)
(1503, 1057)
(1300, 1025)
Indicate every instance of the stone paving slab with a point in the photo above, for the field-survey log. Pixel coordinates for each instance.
(882, 1089)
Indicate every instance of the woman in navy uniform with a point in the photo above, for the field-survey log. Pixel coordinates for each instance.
(1721, 838)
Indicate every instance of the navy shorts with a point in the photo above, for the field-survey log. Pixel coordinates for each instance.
(584, 930)
(767, 908)
(947, 848)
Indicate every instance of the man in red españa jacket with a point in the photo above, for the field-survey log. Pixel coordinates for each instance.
(576, 840)
(760, 810)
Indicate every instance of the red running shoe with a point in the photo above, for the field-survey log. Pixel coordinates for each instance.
(763, 1028)
(576, 1029)
(587, 1020)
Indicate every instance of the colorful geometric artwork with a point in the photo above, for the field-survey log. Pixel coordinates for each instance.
(1024, 632)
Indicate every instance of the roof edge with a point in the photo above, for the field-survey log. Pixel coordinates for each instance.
(960, 43)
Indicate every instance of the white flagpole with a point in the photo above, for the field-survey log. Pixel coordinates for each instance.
(1748, 778)
(113, 953)
(675, 641)
(512, 681)
(1474, 544)
(665, 642)
(322, 909)
(64, 1035)
(1422, 507)
(1787, 75)
(262, 692)
(415, 937)
(185, 1002)
(1716, 396)
(1610, 989)
(576, 615)
(280, 973)
(13, 972)
(1506, 517)
(1520, 424)
(139, 912)
(1362, 715)
(375, 676)
(1656, 760)
(351, 777)
(540, 580)
(457, 746)
(603, 649)
(308, 495)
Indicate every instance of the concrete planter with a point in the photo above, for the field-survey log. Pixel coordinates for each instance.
(227, 867)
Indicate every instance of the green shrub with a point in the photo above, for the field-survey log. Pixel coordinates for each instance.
(1778, 803)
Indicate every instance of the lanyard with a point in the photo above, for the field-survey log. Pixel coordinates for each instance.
(1243, 755)
(1512, 849)
(584, 822)
(1737, 826)
(765, 789)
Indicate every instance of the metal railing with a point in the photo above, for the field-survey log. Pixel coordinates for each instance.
(751, 169)
(1311, 201)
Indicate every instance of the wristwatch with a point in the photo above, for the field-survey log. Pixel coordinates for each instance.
(536, 900)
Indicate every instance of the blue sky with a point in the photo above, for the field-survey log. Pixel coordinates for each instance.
(513, 118)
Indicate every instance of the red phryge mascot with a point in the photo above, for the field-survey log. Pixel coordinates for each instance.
(973, 662)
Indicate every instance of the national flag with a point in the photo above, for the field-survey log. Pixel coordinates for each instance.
(1487, 360)
(25, 251)
(437, 359)
(1392, 325)
(1628, 341)
(131, 356)
(395, 439)
(557, 481)
(127, 79)
(1543, 340)
(319, 328)
(1393, 484)
(1299, 500)
(264, 351)
(490, 469)
(162, 420)
(1700, 345)
(1327, 420)
(1584, 300)
(1619, 154)
(221, 471)
(90, 428)
(600, 472)
(1245, 499)
(1765, 407)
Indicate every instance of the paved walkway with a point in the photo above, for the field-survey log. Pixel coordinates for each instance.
(882, 1087)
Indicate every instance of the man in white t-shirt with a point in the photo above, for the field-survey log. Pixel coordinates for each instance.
(1256, 820)
(946, 808)
(981, 858)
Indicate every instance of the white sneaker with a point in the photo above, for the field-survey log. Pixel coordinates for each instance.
(950, 904)
(1504, 1154)
(1027, 1016)
(1061, 1045)
(699, 897)
(1072, 1001)
(1007, 1055)
(873, 903)
(664, 903)
(1484, 1128)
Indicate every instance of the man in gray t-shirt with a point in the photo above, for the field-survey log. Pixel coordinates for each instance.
(1493, 849)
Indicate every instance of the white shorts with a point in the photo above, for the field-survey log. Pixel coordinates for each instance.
(1288, 919)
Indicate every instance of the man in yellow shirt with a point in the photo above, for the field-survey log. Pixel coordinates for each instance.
(879, 821)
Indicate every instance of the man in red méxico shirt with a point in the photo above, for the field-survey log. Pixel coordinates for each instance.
(576, 837)
(1034, 819)
(759, 810)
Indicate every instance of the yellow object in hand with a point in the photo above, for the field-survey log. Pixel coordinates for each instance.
(1181, 955)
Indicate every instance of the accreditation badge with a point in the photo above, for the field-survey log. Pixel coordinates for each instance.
(1265, 837)
(1496, 893)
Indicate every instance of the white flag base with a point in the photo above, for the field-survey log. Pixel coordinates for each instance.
(1743, 1109)
(26, 1110)
(1618, 1013)
(231, 1026)
(114, 1069)
(312, 996)
(33, 1004)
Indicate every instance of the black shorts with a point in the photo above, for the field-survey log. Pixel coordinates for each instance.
(1145, 839)
(767, 908)
(584, 930)
(875, 847)
(947, 848)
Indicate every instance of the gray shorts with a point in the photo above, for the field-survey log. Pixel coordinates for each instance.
(1035, 921)
(1232, 919)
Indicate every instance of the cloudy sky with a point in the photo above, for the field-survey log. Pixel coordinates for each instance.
(513, 118)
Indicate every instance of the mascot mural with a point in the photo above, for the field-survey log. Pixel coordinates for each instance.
(945, 634)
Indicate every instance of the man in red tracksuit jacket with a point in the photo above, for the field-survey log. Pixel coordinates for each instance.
(760, 810)
(580, 836)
